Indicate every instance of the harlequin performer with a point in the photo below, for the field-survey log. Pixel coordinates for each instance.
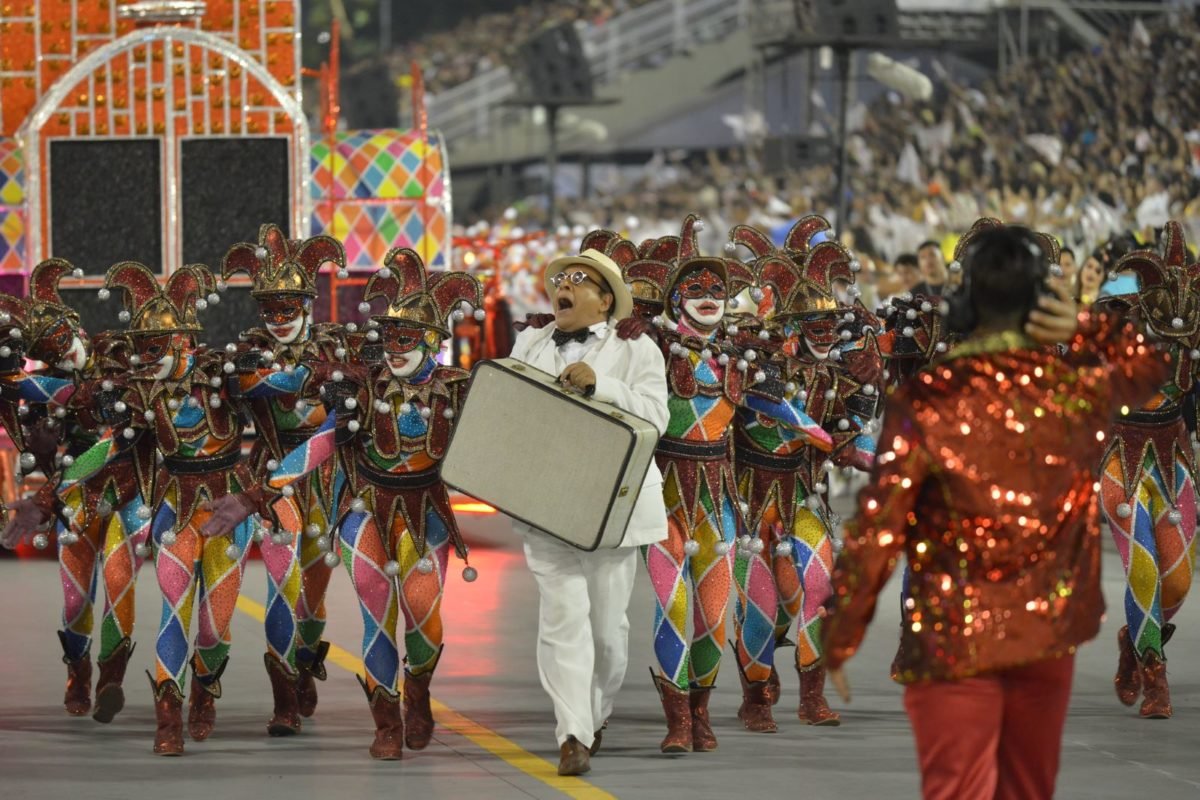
(783, 572)
(279, 368)
(1148, 490)
(176, 407)
(583, 630)
(394, 419)
(985, 486)
(692, 570)
(104, 536)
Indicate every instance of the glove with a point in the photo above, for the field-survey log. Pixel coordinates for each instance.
(27, 518)
(228, 512)
(535, 321)
(633, 328)
(42, 442)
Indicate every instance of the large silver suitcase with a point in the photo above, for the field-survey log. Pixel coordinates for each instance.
(569, 466)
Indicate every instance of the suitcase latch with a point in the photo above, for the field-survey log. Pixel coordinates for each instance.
(624, 491)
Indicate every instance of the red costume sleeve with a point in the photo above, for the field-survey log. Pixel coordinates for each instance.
(875, 539)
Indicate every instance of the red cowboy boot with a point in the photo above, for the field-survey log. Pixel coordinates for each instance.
(675, 705)
(77, 698)
(755, 711)
(389, 724)
(813, 708)
(110, 697)
(774, 686)
(168, 713)
(703, 738)
(202, 705)
(1128, 680)
(418, 717)
(311, 668)
(1156, 702)
(285, 718)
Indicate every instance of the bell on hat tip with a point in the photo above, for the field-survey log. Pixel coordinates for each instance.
(77, 273)
(353, 426)
(955, 266)
(384, 272)
(470, 574)
(480, 314)
(691, 547)
(1124, 510)
(233, 552)
(364, 307)
(331, 559)
(260, 252)
(104, 294)
(41, 541)
(731, 247)
(343, 273)
(168, 538)
(141, 551)
(425, 565)
(123, 316)
(1174, 516)
(721, 548)
(756, 545)
(201, 304)
(392, 568)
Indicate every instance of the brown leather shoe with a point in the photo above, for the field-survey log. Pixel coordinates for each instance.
(389, 724)
(703, 738)
(1156, 702)
(1128, 681)
(573, 758)
(310, 670)
(596, 737)
(202, 704)
(813, 707)
(77, 698)
(418, 716)
(285, 718)
(679, 716)
(168, 714)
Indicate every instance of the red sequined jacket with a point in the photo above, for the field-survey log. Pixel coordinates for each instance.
(985, 481)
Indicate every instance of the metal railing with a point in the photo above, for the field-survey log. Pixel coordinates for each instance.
(630, 41)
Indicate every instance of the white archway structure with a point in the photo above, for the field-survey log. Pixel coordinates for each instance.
(35, 146)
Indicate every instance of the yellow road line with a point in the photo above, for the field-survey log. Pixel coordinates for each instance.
(505, 749)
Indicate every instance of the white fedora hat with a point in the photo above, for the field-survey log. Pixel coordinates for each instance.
(608, 269)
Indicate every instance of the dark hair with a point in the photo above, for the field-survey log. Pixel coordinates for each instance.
(908, 260)
(1004, 270)
(929, 243)
(1064, 251)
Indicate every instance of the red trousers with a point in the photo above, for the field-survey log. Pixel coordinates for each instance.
(992, 737)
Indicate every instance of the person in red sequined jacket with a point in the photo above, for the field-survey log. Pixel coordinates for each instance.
(985, 481)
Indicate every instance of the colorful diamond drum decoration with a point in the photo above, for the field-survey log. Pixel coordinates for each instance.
(12, 211)
(380, 189)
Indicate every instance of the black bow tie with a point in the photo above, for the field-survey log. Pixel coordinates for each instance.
(562, 337)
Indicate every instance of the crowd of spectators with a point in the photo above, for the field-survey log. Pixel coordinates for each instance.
(1086, 146)
(481, 42)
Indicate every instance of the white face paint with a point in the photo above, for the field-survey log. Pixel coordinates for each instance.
(76, 356)
(704, 310)
(289, 331)
(166, 365)
(402, 365)
(819, 351)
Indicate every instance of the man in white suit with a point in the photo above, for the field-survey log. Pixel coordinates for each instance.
(583, 632)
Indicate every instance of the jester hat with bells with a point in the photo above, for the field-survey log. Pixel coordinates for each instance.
(279, 266)
(1169, 286)
(154, 310)
(736, 275)
(50, 323)
(418, 299)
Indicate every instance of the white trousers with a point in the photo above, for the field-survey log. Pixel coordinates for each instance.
(583, 631)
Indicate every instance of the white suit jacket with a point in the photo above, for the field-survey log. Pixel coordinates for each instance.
(632, 375)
